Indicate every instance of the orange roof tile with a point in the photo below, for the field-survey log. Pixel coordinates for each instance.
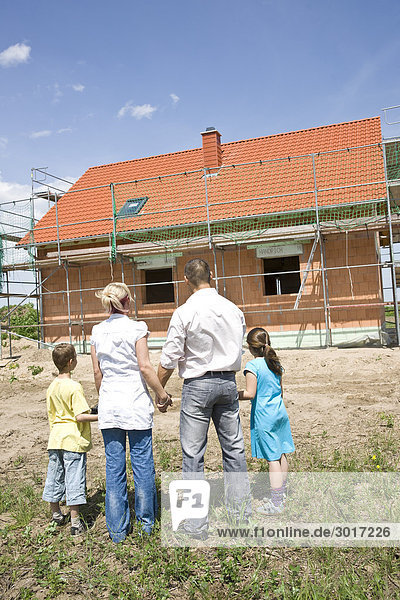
(281, 180)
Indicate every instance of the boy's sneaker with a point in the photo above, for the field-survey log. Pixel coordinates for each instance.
(79, 529)
(269, 508)
(60, 519)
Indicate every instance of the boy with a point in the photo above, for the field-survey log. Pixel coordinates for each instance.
(70, 439)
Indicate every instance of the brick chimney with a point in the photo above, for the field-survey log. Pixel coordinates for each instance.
(212, 150)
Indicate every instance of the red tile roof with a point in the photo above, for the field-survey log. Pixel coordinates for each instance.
(235, 192)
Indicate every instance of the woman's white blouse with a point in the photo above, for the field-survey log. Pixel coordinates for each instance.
(124, 400)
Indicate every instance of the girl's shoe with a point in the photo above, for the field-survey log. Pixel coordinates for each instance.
(269, 508)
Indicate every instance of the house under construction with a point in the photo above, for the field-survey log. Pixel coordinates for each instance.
(299, 230)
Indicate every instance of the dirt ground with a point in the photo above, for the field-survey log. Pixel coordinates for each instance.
(332, 395)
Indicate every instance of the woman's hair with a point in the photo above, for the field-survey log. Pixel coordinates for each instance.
(258, 340)
(112, 295)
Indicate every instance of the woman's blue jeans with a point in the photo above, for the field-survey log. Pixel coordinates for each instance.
(117, 506)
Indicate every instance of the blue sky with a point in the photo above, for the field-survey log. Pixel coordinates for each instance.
(89, 82)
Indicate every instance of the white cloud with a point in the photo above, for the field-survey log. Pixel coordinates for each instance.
(3, 143)
(137, 111)
(64, 130)
(10, 191)
(175, 99)
(15, 55)
(39, 134)
(78, 87)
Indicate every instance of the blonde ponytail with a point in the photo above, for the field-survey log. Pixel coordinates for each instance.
(112, 295)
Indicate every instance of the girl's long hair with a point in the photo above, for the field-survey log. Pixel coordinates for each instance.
(259, 341)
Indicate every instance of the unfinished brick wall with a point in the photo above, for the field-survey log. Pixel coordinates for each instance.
(243, 284)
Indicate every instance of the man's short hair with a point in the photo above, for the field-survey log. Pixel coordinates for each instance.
(197, 271)
(62, 354)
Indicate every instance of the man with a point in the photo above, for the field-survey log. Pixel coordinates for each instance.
(204, 341)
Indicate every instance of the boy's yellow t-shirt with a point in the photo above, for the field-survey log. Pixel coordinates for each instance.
(65, 400)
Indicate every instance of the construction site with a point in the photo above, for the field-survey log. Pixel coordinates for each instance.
(300, 230)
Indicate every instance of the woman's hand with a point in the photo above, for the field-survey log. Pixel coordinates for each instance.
(162, 402)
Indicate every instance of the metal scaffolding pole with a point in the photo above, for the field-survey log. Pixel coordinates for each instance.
(215, 267)
(8, 311)
(82, 315)
(207, 210)
(38, 310)
(391, 253)
(40, 286)
(114, 232)
(175, 269)
(223, 269)
(58, 229)
(32, 292)
(328, 335)
(134, 290)
(122, 269)
(68, 301)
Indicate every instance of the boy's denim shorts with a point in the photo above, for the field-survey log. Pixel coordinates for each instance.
(66, 476)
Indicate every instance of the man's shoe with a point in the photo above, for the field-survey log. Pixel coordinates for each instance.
(198, 535)
(195, 535)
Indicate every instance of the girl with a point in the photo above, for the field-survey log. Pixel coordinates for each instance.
(271, 437)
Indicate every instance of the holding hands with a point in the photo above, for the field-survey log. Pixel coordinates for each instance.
(162, 402)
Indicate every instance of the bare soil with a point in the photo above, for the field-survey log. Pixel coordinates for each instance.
(335, 397)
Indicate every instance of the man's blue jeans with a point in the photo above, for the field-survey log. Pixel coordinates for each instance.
(117, 506)
(214, 396)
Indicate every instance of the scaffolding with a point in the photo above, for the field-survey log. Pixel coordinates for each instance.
(293, 199)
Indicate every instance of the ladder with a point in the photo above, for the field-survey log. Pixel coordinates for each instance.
(307, 270)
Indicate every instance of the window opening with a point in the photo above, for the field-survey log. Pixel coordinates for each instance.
(164, 291)
(284, 283)
(132, 207)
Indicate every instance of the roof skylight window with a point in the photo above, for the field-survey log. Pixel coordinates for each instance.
(132, 207)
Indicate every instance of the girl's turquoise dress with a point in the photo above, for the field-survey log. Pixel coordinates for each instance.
(269, 422)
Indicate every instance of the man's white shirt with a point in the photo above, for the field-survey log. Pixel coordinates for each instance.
(205, 334)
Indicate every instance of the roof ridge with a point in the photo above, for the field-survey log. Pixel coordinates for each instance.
(266, 137)
(134, 160)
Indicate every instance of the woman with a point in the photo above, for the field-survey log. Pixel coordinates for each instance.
(122, 367)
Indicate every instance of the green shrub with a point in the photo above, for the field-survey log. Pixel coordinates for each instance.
(35, 369)
(24, 320)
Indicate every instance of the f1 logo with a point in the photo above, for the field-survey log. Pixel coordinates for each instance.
(189, 499)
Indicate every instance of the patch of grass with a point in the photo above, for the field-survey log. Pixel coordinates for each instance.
(18, 461)
(22, 503)
(387, 420)
(35, 369)
(42, 560)
(167, 454)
